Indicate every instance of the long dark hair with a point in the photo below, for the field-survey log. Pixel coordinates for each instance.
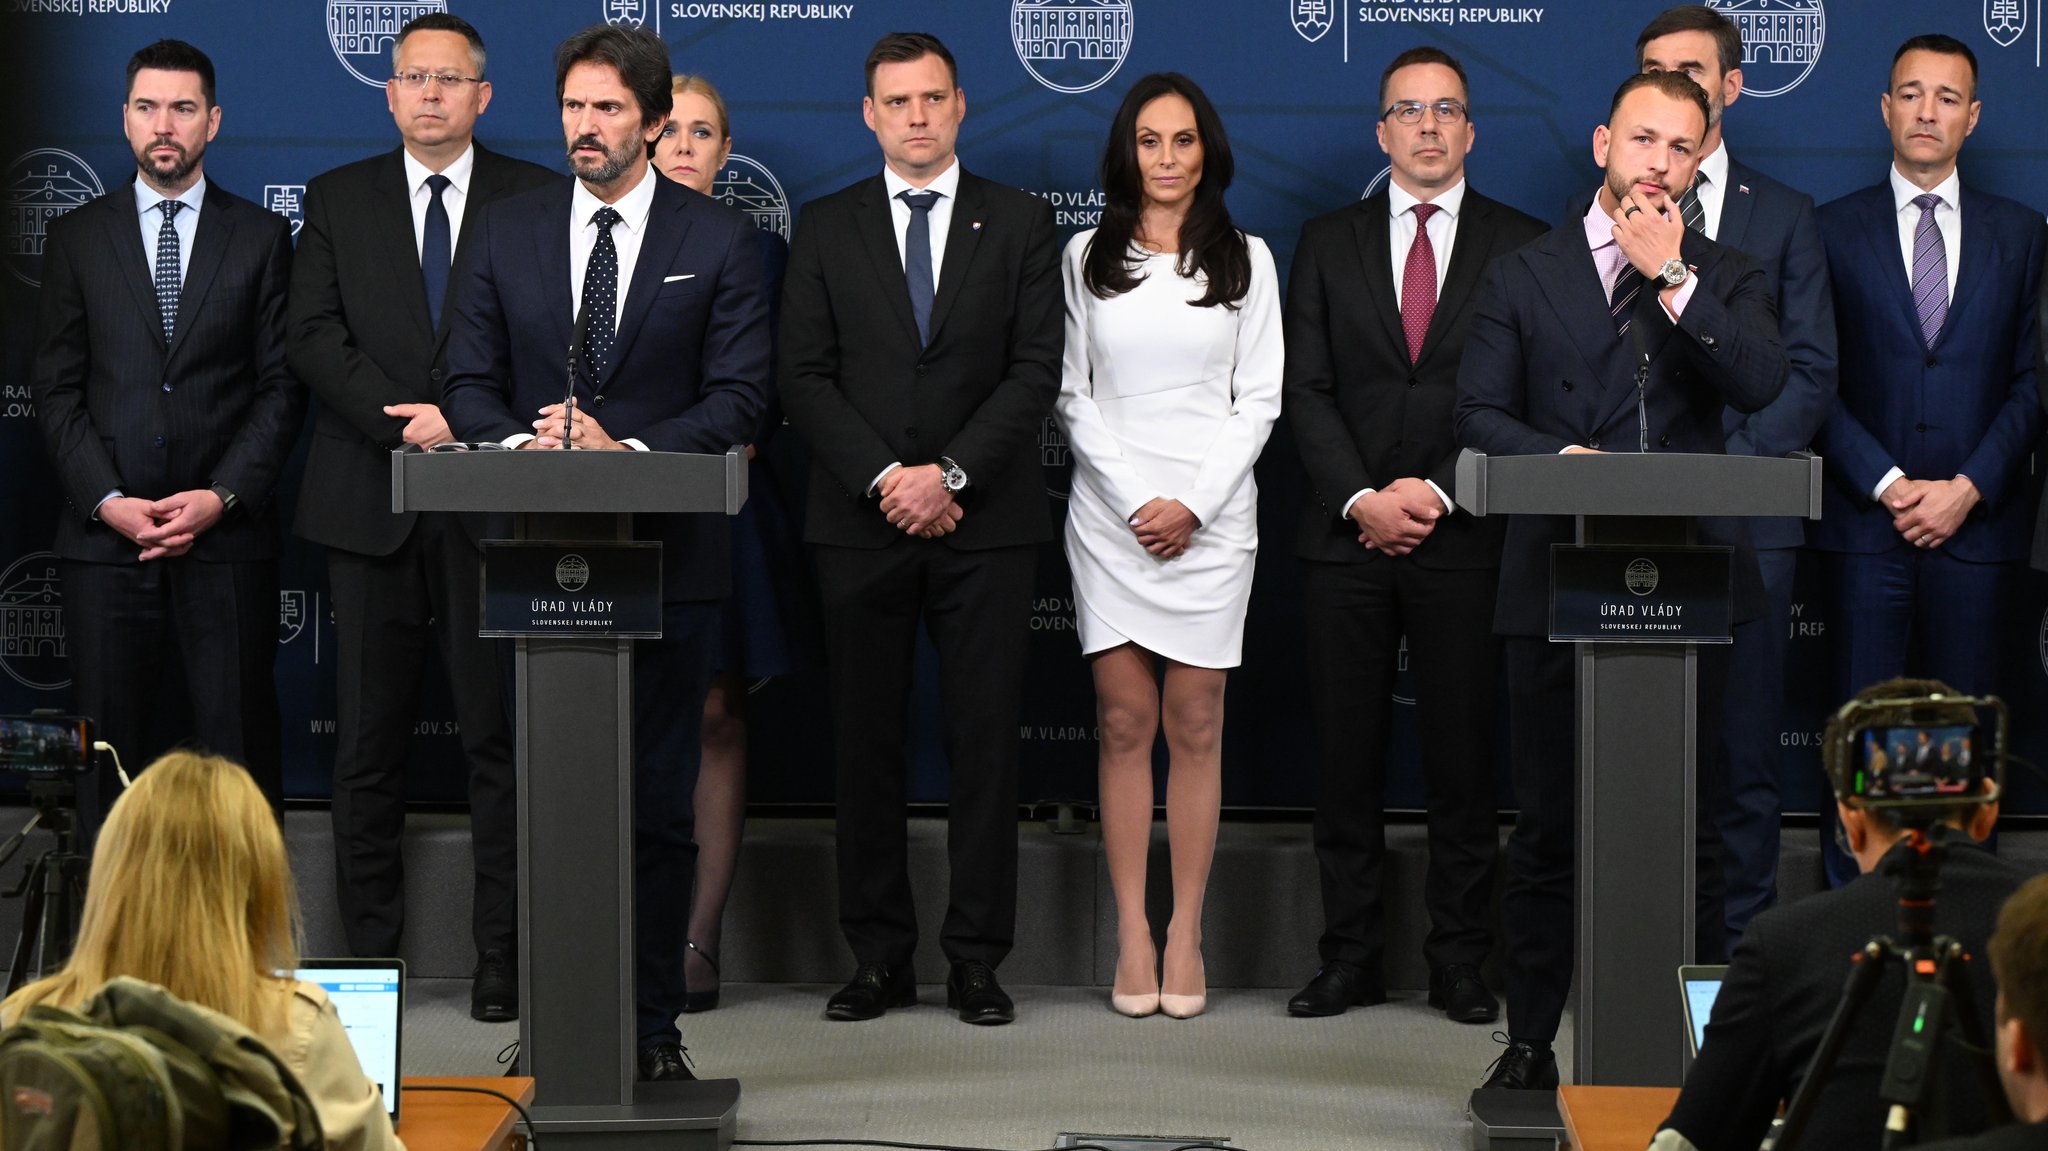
(1209, 244)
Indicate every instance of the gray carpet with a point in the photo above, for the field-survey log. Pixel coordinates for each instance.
(1394, 1076)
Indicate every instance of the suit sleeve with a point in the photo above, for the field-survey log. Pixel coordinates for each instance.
(255, 457)
(1334, 464)
(1733, 340)
(1492, 390)
(1806, 324)
(841, 439)
(1098, 454)
(1010, 418)
(1254, 392)
(732, 382)
(57, 382)
(1995, 464)
(1734, 1088)
(320, 348)
(477, 399)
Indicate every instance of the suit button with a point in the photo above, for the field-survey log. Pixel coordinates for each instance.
(1706, 340)
(1594, 444)
(911, 431)
(1933, 361)
(159, 441)
(167, 385)
(435, 375)
(923, 370)
(597, 401)
(1919, 427)
(1412, 383)
(1567, 385)
(1663, 441)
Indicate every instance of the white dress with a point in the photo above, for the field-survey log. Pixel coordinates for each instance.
(1160, 399)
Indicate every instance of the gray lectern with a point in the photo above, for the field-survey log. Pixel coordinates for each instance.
(575, 778)
(1636, 728)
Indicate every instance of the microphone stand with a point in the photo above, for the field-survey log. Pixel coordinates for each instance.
(575, 357)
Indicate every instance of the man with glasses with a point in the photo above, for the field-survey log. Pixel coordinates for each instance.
(1377, 312)
(368, 319)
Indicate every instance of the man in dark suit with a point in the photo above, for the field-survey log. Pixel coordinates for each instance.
(161, 389)
(1740, 207)
(675, 359)
(2019, 961)
(1372, 365)
(1549, 367)
(920, 353)
(1936, 290)
(369, 337)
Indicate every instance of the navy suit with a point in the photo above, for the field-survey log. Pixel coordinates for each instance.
(689, 373)
(1544, 370)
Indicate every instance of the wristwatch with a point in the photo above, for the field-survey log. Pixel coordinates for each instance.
(952, 475)
(1673, 273)
(227, 498)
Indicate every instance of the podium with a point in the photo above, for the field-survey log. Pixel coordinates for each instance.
(1636, 735)
(573, 731)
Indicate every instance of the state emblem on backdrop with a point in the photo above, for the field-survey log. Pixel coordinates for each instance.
(747, 184)
(632, 12)
(362, 32)
(1378, 182)
(1071, 45)
(287, 200)
(1057, 456)
(32, 623)
(1781, 41)
(1312, 18)
(41, 186)
(291, 614)
(2005, 21)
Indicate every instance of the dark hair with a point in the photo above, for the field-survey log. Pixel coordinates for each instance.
(902, 48)
(1695, 18)
(443, 22)
(173, 56)
(1423, 54)
(1936, 42)
(1210, 245)
(2019, 958)
(636, 54)
(1676, 85)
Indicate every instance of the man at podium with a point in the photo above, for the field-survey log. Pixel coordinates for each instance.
(1624, 331)
(669, 346)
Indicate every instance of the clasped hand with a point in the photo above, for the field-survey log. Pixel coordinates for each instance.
(1396, 519)
(1646, 235)
(1928, 512)
(1164, 526)
(165, 527)
(585, 434)
(916, 500)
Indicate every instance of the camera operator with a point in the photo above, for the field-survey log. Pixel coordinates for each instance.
(1788, 972)
(2019, 958)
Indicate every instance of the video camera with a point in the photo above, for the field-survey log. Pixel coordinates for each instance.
(44, 746)
(1916, 744)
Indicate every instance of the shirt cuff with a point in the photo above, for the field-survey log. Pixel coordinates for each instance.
(513, 441)
(1355, 497)
(112, 495)
(882, 475)
(1675, 307)
(1877, 493)
(1449, 507)
(636, 445)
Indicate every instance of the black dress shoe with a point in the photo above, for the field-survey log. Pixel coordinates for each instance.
(494, 988)
(876, 987)
(1457, 990)
(972, 990)
(1524, 1066)
(1335, 989)
(664, 1061)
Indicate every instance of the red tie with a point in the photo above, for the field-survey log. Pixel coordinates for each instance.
(1418, 283)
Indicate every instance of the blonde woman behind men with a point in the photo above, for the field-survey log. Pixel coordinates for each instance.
(190, 890)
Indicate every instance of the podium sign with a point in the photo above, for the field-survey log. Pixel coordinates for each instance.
(1641, 594)
(581, 588)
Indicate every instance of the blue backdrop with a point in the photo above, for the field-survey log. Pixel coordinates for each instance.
(1296, 81)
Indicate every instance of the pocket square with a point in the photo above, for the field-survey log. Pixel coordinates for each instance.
(684, 276)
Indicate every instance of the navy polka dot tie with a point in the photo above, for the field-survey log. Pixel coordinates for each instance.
(601, 295)
(167, 268)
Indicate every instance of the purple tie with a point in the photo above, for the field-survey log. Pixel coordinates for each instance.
(1418, 283)
(1930, 270)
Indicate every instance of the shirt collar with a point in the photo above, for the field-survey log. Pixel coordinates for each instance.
(632, 207)
(1450, 199)
(1599, 229)
(1904, 191)
(946, 183)
(147, 198)
(1715, 166)
(458, 172)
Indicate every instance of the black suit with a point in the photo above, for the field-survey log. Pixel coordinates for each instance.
(121, 410)
(864, 394)
(361, 337)
(1363, 415)
(1782, 985)
(1544, 370)
(2011, 1137)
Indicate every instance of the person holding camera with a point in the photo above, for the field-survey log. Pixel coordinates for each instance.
(1788, 971)
(2019, 960)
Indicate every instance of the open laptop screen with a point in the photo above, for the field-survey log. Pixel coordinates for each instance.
(369, 995)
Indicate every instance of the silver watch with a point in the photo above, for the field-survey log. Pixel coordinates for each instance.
(952, 475)
(1673, 273)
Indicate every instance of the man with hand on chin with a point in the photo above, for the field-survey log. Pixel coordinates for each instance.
(1550, 366)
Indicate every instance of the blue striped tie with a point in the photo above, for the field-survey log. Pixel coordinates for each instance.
(1930, 270)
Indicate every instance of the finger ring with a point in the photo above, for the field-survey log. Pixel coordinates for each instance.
(1631, 210)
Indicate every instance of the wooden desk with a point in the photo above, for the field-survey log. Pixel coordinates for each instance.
(1612, 1118)
(461, 1120)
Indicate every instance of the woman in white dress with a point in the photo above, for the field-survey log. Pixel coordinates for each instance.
(1171, 385)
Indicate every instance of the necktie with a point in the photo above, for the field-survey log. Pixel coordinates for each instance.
(1930, 270)
(1621, 299)
(437, 249)
(917, 259)
(167, 268)
(601, 295)
(1418, 283)
(1689, 208)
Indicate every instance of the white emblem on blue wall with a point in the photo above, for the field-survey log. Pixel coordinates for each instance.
(1781, 41)
(41, 186)
(747, 184)
(1312, 18)
(287, 200)
(362, 32)
(1071, 45)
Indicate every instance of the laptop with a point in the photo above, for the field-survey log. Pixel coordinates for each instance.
(369, 995)
(1701, 985)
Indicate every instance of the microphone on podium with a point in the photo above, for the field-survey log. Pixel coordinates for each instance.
(575, 355)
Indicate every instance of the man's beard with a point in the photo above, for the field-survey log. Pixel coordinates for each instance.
(1620, 187)
(615, 164)
(173, 173)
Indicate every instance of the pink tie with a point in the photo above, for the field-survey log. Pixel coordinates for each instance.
(1418, 283)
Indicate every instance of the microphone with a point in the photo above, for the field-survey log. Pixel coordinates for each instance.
(575, 356)
(1642, 382)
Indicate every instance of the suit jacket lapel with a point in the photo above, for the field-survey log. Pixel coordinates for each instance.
(124, 234)
(549, 224)
(1736, 205)
(486, 180)
(1375, 262)
(963, 236)
(668, 221)
(1881, 232)
(878, 235)
(1468, 255)
(209, 245)
(391, 206)
(1578, 298)
(1975, 264)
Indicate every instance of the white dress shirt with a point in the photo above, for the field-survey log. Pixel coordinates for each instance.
(454, 198)
(185, 223)
(1713, 189)
(947, 185)
(1948, 219)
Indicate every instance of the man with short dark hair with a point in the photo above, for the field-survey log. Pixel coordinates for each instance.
(674, 358)
(2019, 961)
(1377, 310)
(369, 337)
(166, 407)
(920, 355)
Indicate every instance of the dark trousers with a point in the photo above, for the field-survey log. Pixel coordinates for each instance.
(1357, 615)
(127, 625)
(390, 612)
(1538, 908)
(1912, 611)
(671, 677)
(1751, 811)
(976, 605)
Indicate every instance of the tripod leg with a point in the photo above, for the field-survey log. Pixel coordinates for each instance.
(61, 904)
(31, 924)
(1863, 977)
(1981, 1048)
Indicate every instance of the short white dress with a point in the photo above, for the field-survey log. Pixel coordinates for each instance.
(1161, 399)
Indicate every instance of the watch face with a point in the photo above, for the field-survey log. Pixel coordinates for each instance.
(1674, 272)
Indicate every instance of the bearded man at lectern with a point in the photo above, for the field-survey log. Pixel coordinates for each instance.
(669, 328)
(1624, 331)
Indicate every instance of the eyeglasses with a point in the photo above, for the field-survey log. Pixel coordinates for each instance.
(417, 81)
(1410, 111)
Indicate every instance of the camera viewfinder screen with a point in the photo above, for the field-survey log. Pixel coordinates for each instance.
(1924, 763)
(45, 745)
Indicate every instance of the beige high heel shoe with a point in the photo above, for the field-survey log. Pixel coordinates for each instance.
(1186, 1006)
(1136, 1006)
